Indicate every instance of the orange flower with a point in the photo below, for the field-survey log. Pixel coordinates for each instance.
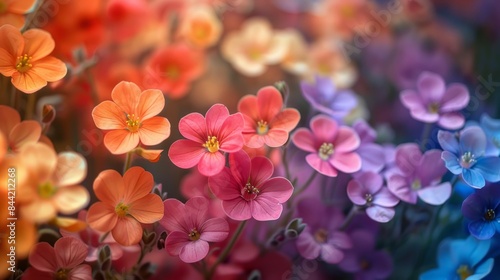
(12, 11)
(18, 133)
(200, 26)
(3, 146)
(131, 117)
(25, 57)
(124, 204)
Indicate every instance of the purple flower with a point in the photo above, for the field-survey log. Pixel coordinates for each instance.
(419, 175)
(482, 209)
(372, 155)
(324, 97)
(367, 190)
(434, 102)
(321, 237)
(466, 156)
(363, 261)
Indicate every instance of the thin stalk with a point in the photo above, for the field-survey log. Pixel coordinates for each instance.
(128, 162)
(425, 136)
(30, 107)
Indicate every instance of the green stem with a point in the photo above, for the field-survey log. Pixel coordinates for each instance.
(30, 107)
(32, 15)
(128, 162)
(354, 210)
(226, 250)
(93, 87)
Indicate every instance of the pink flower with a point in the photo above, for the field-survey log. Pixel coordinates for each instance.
(265, 120)
(247, 189)
(189, 230)
(331, 146)
(63, 261)
(207, 138)
(434, 102)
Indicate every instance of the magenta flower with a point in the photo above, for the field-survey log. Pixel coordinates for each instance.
(247, 189)
(331, 146)
(367, 190)
(189, 230)
(63, 261)
(207, 139)
(419, 175)
(434, 102)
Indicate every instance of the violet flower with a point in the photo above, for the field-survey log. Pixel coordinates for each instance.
(482, 209)
(372, 154)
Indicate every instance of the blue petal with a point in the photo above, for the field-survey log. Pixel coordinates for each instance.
(489, 168)
(480, 249)
(491, 126)
(451, 162)
(448, 141)
(473, 139)
(482, 270)
(473, 178)
(482, 229)
(443, 255)
(435, 274)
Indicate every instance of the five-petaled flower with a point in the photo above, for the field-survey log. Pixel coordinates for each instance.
(12, 11)
(124, 204)
(131, 117)
(482, 210)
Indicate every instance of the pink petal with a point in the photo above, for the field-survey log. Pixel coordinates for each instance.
(151, 103)
(148, 209)
(408, 157)
(346, 162)
(211, 163)
(215, 117)
(43, 257)
(372, 182)
(229, 134)
(265, 208)
(127, 231)
(214, 230)
(269, 102)
(380, 214)
(261, 170)
(277, 188)
(232, 143)
(24, 133)
(108, 115)
(176, 240)
(324, 128)
(224, 186)
(411, 100)
(173, 219)
(81, 272)
(455, 98)
(248, 106)
(126, 96)
(71, 169)
(120, 141)
(186, 153)
(197, 210)
(70, 252)
(286, 120)
(237, 209)
(454, 120)
(322, 166)
(34, 274)
(253, 140)
(194, 251)
(385, 198)
(435, 195)
(356, 192)
(347, 140)
(331, 254)
(154, 130)
(240, 165)
(69, 200)
(102, 217)
(275, 138)
(431, 87)
(304, 140)
(307, 246)
(399, 187)
(194, 128)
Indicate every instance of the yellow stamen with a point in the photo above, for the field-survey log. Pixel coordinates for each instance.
(200, 29)
(62, 274)
(133, 123)
(463, 272)
(212, 144)
(416, 185)
(321, 235)
(173, 72)
(325, 151)
(433, 108)
(262, 127)
(23, 63)
(194, 235)
(121, 210)
(46, 190)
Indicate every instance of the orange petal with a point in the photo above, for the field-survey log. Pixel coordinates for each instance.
(248, 106)
(151, 102)
(148, 209)
(69, 200)
(20, 6)
(102, 217)
(151, 155)
(69, 224)
(10, 118)
(127, 231)
(153, 131)
(3, 146)
(26, 232)
(108, 187)
(38, 211)
(138, 183)
(12, 19)
(270, 102)
(121, 141)
(24, 133)
(7, 63)
(108, 115)
(50, 69)
(40, 160)
(28, 82)
(38, 43)
(11, 40)
(71, 169)
(286, 119)
(126, 95)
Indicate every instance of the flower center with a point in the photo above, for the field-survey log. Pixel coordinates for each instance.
(325, 151)
(249, 192)
(262, 127)
(467, 160)
(321, 235)
(364, 264)
(133, 123)
(433, 108)
(194, 235)
(416, 185)
(62, 274)
(347, 11)
(172, 72)
(121, 210)
(200, 29)
(46, 190)
(369, 198)
(212, 144)
(489, 215)
(23, 63)
(464, 271)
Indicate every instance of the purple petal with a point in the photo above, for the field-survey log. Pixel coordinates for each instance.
(385, 198)
(435, 195)
(365, 132)
(307, 246)
(452, 120)
(455, 98)
(372, 157)
(431, 87)
(411, 100)
(356, 192)
(331, 254)
(408, 157)
(380, 214)
(399, 187)
(431, 167)
(474, 205)
(481, 229)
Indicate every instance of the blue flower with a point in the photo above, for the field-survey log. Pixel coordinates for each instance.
(466, 156)
(324, 97)
(491, 128)
(482, 209)
(461, 260)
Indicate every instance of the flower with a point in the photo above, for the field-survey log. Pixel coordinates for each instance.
(482, 209)
(19, 134)
(131, 117)
(465, 156)
(124, 204)
(247, 189)
(200, 26)
(434, 102)
(63, 261)
(419, 175)
(254, 47)
(372, 154)
(173, 68)
(189, 230)
(331, 146)
(12, 11)
(367, 190)
(324, 97)
(321, 237)
(491, 128)
(461, 259)
(25, 57)
(266, 122)
(207, 139)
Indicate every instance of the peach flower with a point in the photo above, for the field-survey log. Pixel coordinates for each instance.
(200, 26)
(26, 58)
(18, 133)
(131, 117)
(254, 47)
(12, 11)
(295, 60)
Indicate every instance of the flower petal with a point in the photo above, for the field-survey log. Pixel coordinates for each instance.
(214, 230)
(324, 128)
(455, 98)
(71, 169)
(211, 163)
(435, 195)
(193, 127)
(266, 208)
(385, 198)
(274, 138)
(176, 240)
(194, 251)
(126, 95)
(120, 141)
(127, 231)
(137, 184)
(489, 168)
(81, 272)
(154, 130)
(451, 162)
(347, 140)
(473, 178)
(481, 229)
(304, 140)
(453, 120)
(356, 192)
(398, 185)
(38, 43)
(346, 162)
(186, 153)
(248, 106)
(107, 115)
(12, 119)
(215, 117)
(42, 257)
(173, 219)
(237, 209)
(24, 133)
(269, 102)
(431, 87)
(322, 166)
(70, 252)
(448, 141)
(151, 103)
(148, 209)
(411, 100)
(261, 170)
(109, 187)
(277, 188)
(380, 214)
(102, 217)
(28, 82)
(473, 140)
(70, 200)
(224, 186)
(50, 69)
